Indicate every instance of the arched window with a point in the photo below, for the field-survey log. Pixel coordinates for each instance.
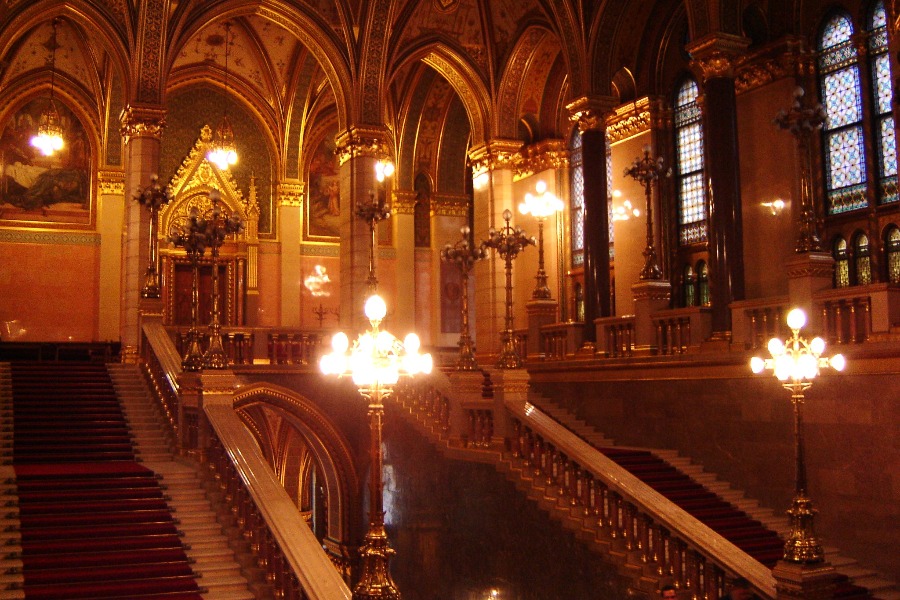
(579, 303)
(845, 171)
(861, 261)
(703, 283)
(576, 202)
(883, 95)
(689, 162)
(892, 253)
(689, 283)
(841, 263)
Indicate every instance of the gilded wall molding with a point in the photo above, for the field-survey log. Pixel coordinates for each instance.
(373, 142)
(403, 202)
(63, 238)
(630, 120)
(111, 182)
(290, 194)
(142, 121)
(329, 250)
(542, 156)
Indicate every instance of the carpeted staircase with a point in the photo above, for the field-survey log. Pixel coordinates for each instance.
(85, 517)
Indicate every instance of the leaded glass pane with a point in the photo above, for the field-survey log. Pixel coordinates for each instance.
(846, 170)
(609, 197)
(690, 296)
(893, 255)
(841, 264)
(837, 30)
(689, 165)
(879, 18)
(703, 280)
(577, 202)
(863, 264)
(882, 81)
(888, 146)
(842, 98)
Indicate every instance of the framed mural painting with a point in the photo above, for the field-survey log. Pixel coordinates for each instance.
(38, 190)
(323, 206)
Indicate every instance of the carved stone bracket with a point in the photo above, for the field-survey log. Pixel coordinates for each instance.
(591, 112)
(142, 121)
(715, 55)
(374, 142)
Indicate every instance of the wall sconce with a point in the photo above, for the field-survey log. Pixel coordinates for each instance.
(775, 206)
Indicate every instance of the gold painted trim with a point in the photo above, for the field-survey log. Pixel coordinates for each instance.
(111, 182)
(373, 142)
(630, 120)
(142, 121)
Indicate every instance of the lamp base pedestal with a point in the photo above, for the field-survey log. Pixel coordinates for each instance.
(650, 297)
(799, 581)
(540, 313)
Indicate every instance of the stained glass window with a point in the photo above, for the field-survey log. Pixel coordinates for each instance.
(609, 198)
(861, 258)
(892, 248)
(690, 295)
(689, 151)
(841, 263)
(576, 203)
(883, 94)
(703, 283)
(845, 171)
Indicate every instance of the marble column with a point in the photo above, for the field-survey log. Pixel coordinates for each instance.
(590, 115)
(402, 214)
(142, 127)
(713, 57)
(493, 193)
(110, 215)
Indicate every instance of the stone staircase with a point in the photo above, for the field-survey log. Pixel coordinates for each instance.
(215, 561)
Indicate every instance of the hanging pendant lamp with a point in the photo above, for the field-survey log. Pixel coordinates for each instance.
(49, 138)
(223, 152)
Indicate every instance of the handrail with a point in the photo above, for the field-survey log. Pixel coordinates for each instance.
(692, 531)
(317, 576)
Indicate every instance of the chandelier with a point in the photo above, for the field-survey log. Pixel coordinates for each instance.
(223, 152)
(49, 138)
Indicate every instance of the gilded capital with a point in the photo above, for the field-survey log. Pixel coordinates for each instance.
(715, 55)
(374, 142)
(630, 120)
(494, 155)
(590, 112)
(450, 205)
(544, 155)
(142, 121)
(290, 194)
(111, 182)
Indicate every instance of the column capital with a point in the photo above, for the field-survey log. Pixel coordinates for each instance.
(371, 141)
(591, 112)
(142, 120)
(450, 205)
(403, 202)
(494, 155)
(290, 193)
(541, 156)
(631, 119)
(714, 55)
(111, 182)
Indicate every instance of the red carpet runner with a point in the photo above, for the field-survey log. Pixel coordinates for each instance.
(94, 522)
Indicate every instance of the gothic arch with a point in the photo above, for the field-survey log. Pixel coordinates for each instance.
(508, 110)
(463, 76)
(325, 443)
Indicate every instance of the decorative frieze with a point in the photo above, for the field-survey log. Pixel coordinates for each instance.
(290, 194)
(403, 202)
(142, 121)
(447, 205)
(630, 120)
(111, 183)
(373, 142)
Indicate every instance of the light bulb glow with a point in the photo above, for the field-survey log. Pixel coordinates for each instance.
(757, 365)
(817, 346)
(375, 308)
(340, 342)
(838, 362)
(796, 319)
(775, 347)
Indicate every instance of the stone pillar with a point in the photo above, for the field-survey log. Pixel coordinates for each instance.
(492, 166)
(359, 149)
(142, 127)
(110, 215)
(403, 206)
(650, 296)
(290, 218)
(509, 384)
(807, 274)
(590, 114)
(713, 57)
(467, 389)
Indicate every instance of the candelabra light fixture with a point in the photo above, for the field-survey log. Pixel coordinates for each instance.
(796, 362)
(224, 152)
(802, 120)
(152, 198)
(540, 206)
(191, 235)
(463, 254)
(49, 137)
(508, 242)
(647, 170)
(376, 361)
(373, 212)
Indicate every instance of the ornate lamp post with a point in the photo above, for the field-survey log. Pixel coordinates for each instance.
(373, 213)
(796, 362)
(464, 254)
(802, 120)
(153, 197)
(191, 235)
(646, 170)
(508, 242)
(541, 206)
(375, 361)
(217, 227)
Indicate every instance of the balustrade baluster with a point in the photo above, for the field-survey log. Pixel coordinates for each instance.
(839, 323)
(628, 524)
(867, 318)
(642, 533)
(564, 476)
(539, 453)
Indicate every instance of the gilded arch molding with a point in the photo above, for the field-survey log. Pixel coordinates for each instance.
(508, 113)
(325, 443)
(468, 85)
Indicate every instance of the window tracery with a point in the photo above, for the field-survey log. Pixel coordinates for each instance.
(882, 93)
(692, 223)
